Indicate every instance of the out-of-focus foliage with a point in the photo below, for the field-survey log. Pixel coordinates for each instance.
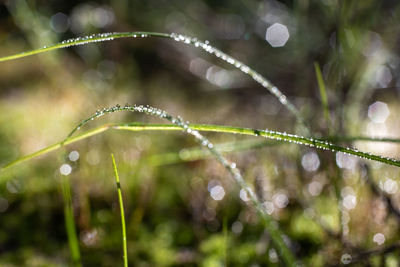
(333, 208)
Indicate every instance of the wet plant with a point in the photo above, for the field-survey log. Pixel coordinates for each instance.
(178, 124)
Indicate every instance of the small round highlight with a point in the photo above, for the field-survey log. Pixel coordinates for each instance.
(65, 169)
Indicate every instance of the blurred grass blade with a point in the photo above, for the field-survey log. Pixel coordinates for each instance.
(121, 207)
(198, 153)
(226, 239)
(324, 98)
(70, 222)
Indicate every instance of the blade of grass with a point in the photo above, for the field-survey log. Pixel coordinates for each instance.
(70, 222)
(179, 38)
(335, 178)
(324, 144)
(317, 143)
(324, 98)
(121, 207)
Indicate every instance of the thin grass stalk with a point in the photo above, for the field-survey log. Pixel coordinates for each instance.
(324, 144)
(323, 95)
(335, 178)
(70, 223)
(121, 207)
(226, 239)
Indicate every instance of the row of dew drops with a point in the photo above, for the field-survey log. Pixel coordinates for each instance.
(187, 40)
(324, 145)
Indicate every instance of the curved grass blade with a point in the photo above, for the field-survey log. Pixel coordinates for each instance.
(179, 38)
(121, 207)
(322, 143)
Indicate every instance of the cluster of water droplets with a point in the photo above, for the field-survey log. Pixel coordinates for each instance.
(100, 37)
(324, 145)
(243, 68)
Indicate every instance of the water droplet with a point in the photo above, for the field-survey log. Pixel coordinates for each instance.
(243, 195)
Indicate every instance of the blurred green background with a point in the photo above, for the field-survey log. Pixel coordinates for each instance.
(333, 208)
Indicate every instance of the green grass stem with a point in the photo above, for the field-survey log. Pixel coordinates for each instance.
(226, 239)
(324, 97)
(137, 127)
(121, 207)
(70, 222)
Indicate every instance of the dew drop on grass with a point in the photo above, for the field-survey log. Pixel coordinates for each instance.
(269, 207)
(273, 256)
(243, 195)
